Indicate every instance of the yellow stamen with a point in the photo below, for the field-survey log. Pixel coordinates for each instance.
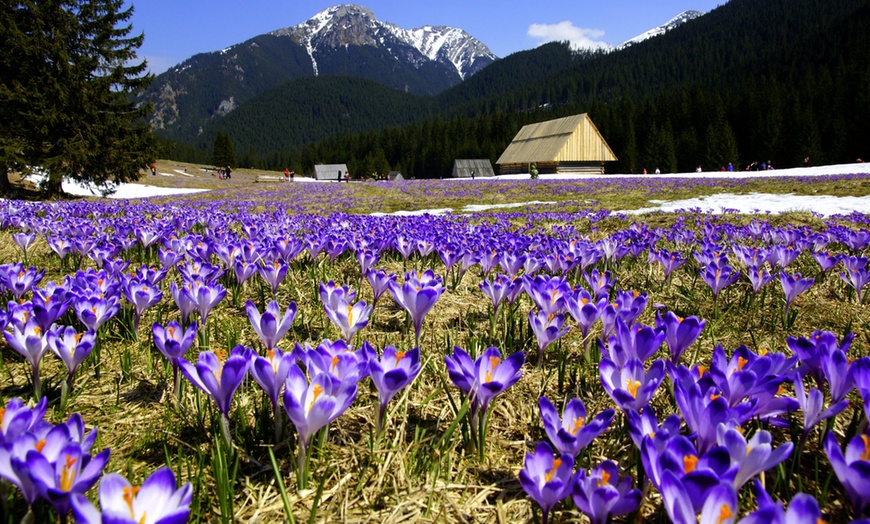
(633, 386)
(578, 423)
(67, 476)
(741, 362)
(689, 463)
(605, 479)
(552, 472)
(272, 360)
(493, 362)
(129, 495)
(701, 371)
(316, 392)
(866, 454)
(714, 396)
(584, 301)
(399, 356)
(725, 513)
(39, 445)
(748, 450)
(335, 361)
(350, 315)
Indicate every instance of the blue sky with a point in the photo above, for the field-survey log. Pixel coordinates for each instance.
(178, 29)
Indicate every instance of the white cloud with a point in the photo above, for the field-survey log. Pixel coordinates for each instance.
(579, 37)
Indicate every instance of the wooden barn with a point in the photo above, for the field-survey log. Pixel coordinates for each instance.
(329, 171)
(565, 145)
(462, 168)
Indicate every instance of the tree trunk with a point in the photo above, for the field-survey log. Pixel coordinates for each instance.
(53, 185)
(5, 185)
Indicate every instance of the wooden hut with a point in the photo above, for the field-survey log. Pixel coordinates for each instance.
(329, 171)
(565, 145)
(481, 167)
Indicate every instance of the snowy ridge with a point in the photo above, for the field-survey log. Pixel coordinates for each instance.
(350, 24)
(680, 19)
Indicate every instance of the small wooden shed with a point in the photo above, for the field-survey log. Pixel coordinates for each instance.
(565, 145)
(329, 171)
(462, 168)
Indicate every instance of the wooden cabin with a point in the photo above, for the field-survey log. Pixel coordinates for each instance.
(329, 171)
(565, 145)
(481, 167)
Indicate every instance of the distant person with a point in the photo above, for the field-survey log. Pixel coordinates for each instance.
(644, 171)
(730, 167)
(769, 165)
(153, 169)
(472, 174)
(228, 173)
(721, 169)
(286, 175)
(658, 171)
(698, 169)
(762, 167)
(292, 175)
(807, 162)
(347, 177)
(339, 176)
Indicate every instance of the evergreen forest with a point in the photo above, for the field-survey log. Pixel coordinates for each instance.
(774, 81)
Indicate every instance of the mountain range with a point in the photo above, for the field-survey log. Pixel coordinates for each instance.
(343, 40)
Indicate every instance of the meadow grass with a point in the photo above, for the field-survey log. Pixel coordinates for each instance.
(421, 469)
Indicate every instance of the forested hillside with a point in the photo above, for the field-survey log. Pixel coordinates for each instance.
(776, 80)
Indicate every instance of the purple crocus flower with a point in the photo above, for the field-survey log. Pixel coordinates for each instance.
(751, 457)
(680, 333)
(793, 285)
(219, 379)
(19, 280)
(638, 342)
(601, 493)
(547, 328)
(271, 325)
(49, 307)
(71, 347)
(720, 505)
(547, 480)
(719, 277)
(496, 290)
(142, 295)
(31, 342)
(206, 298)
(857, 279)
(759, 278)
(825, 260)
(599, 283)
(485, 377)
(380, 282)
(812, 351)
(273, 273)
(548, 293)
(331, 293)
(184, 299)
(852, 469)
(157, 500)
(271, 373)
(643, 424)
(18, 418)
(585, 312)
(174, 341)
(75, 472)
(417, 296)
(812, 405)
(311, 406)
(94, 311)
(571, 432)
(391, 372)
(803, 508)
(244, 270)
(349, 318)
(630, 386)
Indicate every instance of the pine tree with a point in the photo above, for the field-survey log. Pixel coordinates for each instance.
(69, 75)
(223, 153)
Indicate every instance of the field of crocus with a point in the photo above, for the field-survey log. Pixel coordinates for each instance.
(276, 353)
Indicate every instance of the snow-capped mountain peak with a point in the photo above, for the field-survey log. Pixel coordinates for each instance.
(350, 24)
(673, 23)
